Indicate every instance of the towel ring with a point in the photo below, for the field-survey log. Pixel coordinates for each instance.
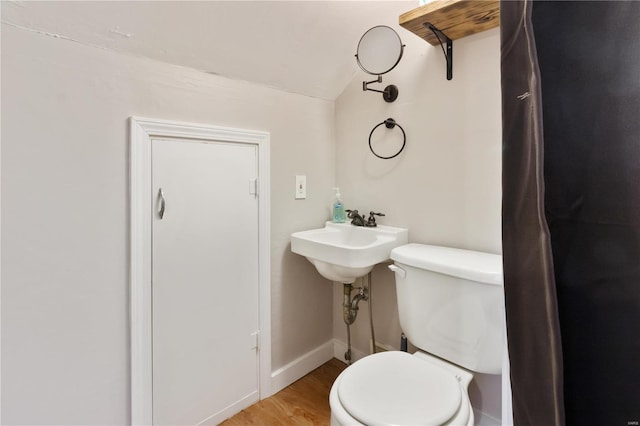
(389, 123)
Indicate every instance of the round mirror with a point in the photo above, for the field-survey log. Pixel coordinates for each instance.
(379, 50)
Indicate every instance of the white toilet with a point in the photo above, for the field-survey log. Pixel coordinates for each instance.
(450, 303)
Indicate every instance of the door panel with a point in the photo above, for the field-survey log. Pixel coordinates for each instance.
(205, 280)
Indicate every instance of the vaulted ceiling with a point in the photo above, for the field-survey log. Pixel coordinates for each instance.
(304, 47)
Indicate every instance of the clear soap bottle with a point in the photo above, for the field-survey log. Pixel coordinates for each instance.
(339, 215)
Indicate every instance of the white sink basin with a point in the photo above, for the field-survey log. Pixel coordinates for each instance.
(342, 252)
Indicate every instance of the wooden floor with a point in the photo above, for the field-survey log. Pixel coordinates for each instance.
(305, 402)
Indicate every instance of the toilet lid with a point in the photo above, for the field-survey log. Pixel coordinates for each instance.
(396, 388)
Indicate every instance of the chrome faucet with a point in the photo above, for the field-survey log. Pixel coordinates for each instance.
(356, 219)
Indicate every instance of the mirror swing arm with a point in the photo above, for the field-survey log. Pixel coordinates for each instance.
(448, 54)
(389, 94)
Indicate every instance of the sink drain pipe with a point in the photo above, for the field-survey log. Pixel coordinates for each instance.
(350, 311)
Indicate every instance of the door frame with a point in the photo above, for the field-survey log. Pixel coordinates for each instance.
(141, 132)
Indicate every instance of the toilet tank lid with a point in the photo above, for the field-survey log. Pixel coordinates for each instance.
(467, 264)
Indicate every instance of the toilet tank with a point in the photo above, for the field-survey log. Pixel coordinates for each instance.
(451, 303)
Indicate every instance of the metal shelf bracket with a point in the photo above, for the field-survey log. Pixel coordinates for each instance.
(448, 53)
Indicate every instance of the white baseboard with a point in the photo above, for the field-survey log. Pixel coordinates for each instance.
(231, 410)
(339, 348)
(301, 366)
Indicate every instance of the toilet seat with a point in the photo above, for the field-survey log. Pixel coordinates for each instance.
(395, 388)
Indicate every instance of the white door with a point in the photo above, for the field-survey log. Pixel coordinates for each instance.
(204, 280)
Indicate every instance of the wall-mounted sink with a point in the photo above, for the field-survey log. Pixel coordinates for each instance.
(342, 252)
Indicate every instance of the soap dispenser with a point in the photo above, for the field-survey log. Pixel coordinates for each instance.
(339, 215)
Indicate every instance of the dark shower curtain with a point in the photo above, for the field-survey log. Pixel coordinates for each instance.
(571, 210)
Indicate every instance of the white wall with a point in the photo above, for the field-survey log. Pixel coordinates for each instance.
(445, 186)
(65, 326)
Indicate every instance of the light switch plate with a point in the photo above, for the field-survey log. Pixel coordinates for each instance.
(301, 187)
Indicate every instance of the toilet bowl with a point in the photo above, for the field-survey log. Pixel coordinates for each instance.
(450, 305)
(396, 388)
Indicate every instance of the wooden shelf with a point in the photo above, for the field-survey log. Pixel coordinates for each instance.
(455, 18)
